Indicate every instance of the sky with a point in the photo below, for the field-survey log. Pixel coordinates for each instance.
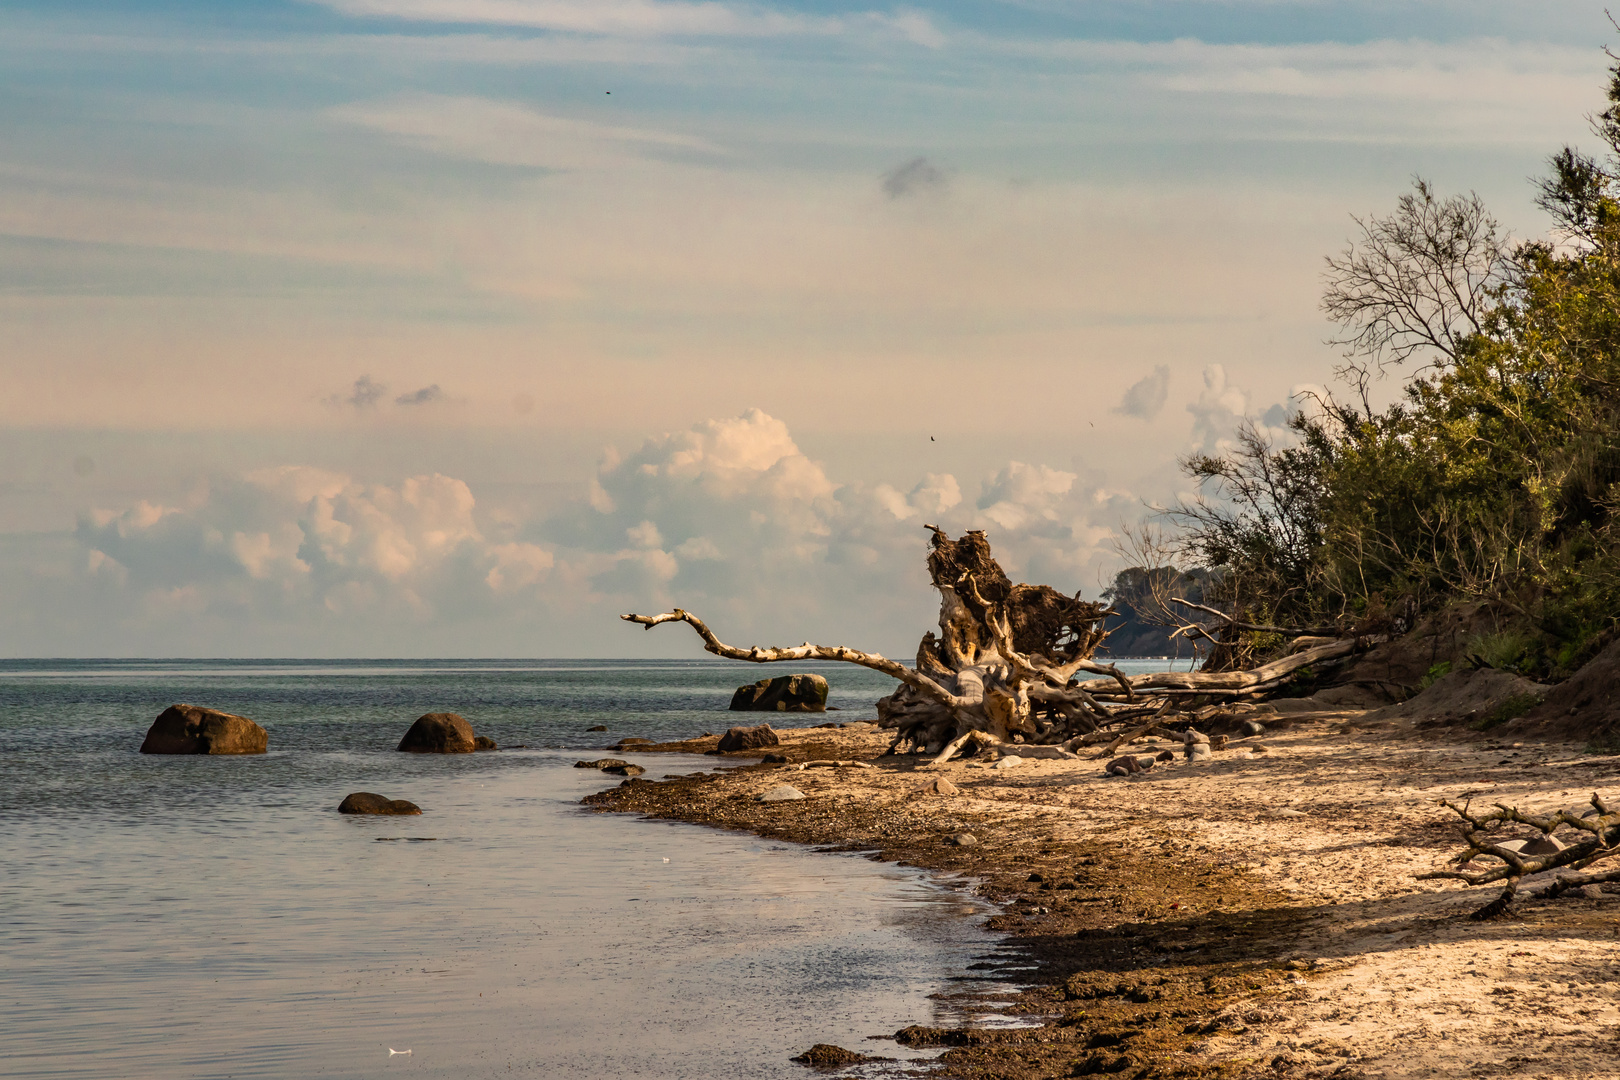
(461, 327)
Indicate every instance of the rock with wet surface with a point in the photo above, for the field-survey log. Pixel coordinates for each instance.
(748, 738)
(781, 793)
(193, 729)
(785, 693)
(439, 733)
(484, 742)
(367, 802)
(828, 1056)
(964, 839)
(624, 769)
(600, 763)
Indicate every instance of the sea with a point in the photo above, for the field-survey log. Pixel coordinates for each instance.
(178, 917)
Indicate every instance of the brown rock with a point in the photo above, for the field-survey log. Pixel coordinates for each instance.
(938, 786)
(600, 763)
(825, 1055)
(366, 802)
(484, 742)
(439, 733)
(785, 693)
(192, 729)
(625, 770)
(748, 738)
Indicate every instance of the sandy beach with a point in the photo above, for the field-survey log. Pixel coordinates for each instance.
(1256, 915)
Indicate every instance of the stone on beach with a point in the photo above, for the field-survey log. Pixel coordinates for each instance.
(938, 786)
(367, 802)
(785, 693)
(439, 733)
(748, 738)
(600, 763)
(965, 839)
(781, 793)
(826, 1055)
(624, 769)
(484, 742)
(1011, 761)
(192, 729)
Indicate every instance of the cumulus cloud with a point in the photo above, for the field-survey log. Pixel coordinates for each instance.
(913, 177)
(1219, 410)
(728, 517)
(1146, 397)
(297, 541)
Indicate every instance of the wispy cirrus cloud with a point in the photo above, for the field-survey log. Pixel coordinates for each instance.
(507, 133)
(645, 18)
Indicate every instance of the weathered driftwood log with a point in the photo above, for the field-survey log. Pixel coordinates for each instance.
(1004, 665)
(1003, 662)
(1601, 839)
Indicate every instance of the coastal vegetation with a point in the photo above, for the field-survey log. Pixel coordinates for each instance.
(1492, 477)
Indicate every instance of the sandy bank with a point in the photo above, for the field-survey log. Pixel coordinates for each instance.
(1257, 915)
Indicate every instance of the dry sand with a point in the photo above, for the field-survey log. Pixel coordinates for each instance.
(1284, 879)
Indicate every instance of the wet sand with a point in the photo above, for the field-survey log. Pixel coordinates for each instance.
(1255, 915)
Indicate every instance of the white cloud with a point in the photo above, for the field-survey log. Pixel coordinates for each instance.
(645, 18)
(506, 133)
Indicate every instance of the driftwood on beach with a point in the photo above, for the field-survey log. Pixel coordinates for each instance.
(1004, 665)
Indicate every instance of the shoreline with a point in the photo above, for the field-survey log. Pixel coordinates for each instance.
(1257, 915)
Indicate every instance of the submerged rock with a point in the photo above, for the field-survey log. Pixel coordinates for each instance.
(598, 727)
(785, 693)
(439, 733)
(624, 769)
(366, 802)
(781, 793)
(484, 742)
(192, 729)
(600, 763)
(748, 738)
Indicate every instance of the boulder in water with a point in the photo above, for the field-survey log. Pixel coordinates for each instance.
(748, 738)
(439, 733)
(366, 802)
(484, 742)
(192, 729)
(785, 693)
(601, 763)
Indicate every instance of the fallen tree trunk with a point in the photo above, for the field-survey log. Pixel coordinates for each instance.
(1005, 662)
(1002, 663)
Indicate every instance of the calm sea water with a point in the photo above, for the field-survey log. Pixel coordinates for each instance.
(215, 917)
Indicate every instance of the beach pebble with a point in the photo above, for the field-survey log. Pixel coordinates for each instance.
(938, 786)
(1011, 761)
(1254, 727)
(780, 793)
(366, 802)
(965, 839)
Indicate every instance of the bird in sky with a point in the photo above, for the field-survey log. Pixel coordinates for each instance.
(930, 438)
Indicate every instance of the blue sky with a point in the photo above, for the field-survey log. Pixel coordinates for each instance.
(1078, 237)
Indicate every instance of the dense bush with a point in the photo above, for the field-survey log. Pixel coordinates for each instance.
(1496, 475)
